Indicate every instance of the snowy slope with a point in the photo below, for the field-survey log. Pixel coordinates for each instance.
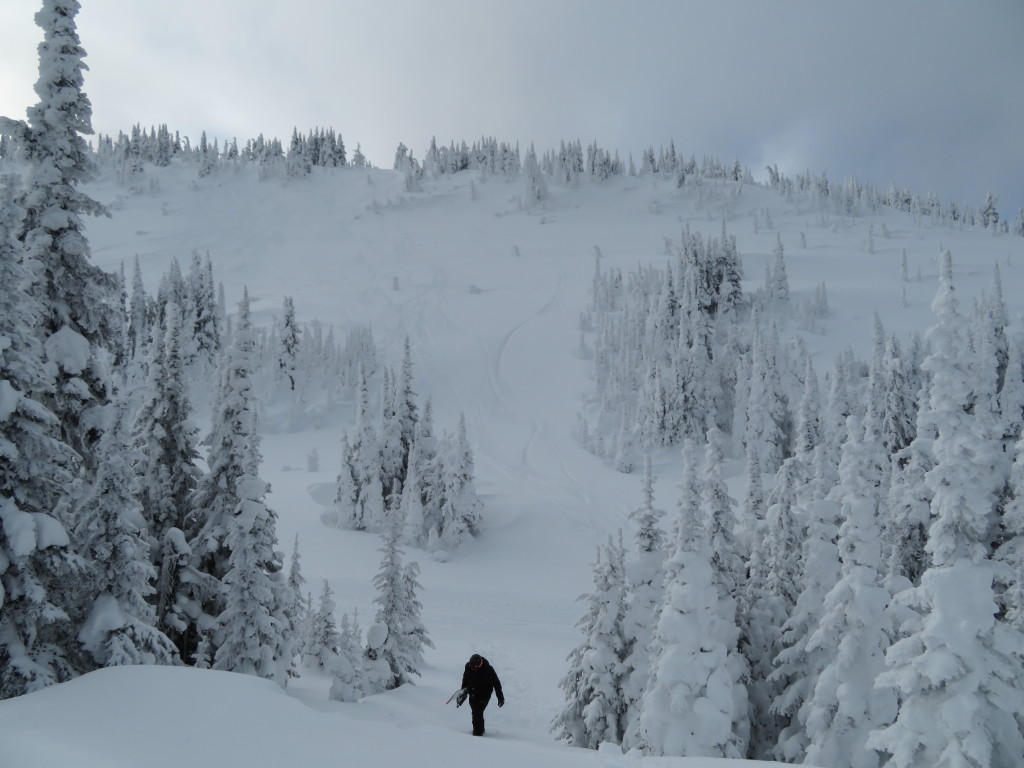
(490, 296)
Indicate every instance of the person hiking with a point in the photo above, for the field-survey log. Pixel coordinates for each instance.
(479, 681)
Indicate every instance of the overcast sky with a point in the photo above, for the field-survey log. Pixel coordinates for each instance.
(926, 93)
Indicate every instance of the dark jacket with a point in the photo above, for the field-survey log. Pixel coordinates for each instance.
(480, 683)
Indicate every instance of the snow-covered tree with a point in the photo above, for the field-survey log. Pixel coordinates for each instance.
(766, 407)
(377, 673)
(80, 321)
(596, 704)
(110, 534)
(1011, 548)
(958, 673)
(689, 706)
(644, 577)
(844, 706)
(796, 667)
(298, 612)
(398, 612)
(347, 666)
(368, 512)
(778, 283)
(345, 489)
(288, 344)
(323, 641)
(460, 512)
(535, 187)
(254, 624)
(233, 461)
(760, 617)
(411, 508)
(165, 443)
(138, 314)
(728, 571)
(37, 639)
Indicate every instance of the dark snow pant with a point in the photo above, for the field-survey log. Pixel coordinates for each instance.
(478, 705)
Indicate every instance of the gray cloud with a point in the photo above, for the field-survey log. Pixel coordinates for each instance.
(921, 93)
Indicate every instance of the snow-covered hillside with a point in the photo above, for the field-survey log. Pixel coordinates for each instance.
(489, 294)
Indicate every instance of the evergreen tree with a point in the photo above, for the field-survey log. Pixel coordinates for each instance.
(398, 613)
(297, 613)
(347, 684)
(233, 461)
(324, 640)
(37, 639)
(905, 531)
(808, 429)
(728, 571)
(346, 490)
(414, 636)
(288, 344)
(411, 509)
(778, 286)
(853, 631)
(430, 469)
(761, 616)
(644, 576)
(80, 320)
(110, 535)
(783, 534)
(1011, 395)
(255, 621)
(596, 705)
(796, 666)
(165, 444)
(689, 706)
(535, 186)
(138, 313)
(393, 453)
(958, 673)
(366, 464)
(766, 404)
(460, 511)
(1010, 554)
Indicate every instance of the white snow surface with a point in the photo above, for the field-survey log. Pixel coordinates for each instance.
(490, 296)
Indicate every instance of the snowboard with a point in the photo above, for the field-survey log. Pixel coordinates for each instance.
(456, 694)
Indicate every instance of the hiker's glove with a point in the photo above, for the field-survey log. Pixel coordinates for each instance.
(501, 702)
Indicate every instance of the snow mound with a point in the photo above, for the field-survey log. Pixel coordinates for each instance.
(124, 717)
